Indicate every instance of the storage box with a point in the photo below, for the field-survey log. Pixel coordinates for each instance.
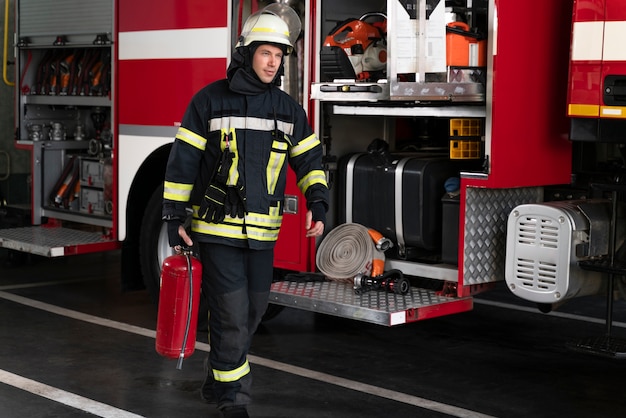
(464, 149)
(472, 127)
(401, 199)
(92, 200)
(465, 138)
(464, 49)
(92, 171)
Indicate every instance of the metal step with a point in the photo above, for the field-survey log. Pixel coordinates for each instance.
(605, 346)
(377, 307)
(54, 241)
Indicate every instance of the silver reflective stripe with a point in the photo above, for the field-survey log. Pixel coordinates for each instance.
(258, 124)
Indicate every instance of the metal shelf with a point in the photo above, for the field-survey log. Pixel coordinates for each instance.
(75, 216)
(57, 100)
(392, 109)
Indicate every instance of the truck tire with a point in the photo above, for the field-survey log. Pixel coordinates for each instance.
(153, 244)
(154, 248)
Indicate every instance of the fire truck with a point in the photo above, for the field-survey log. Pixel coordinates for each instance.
(476, 141)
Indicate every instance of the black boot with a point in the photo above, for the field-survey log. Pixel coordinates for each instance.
(206, 391)
(236, 411)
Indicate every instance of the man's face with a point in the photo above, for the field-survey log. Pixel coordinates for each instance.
(266, 62)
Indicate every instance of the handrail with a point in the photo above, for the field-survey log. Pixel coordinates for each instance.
(6, 45)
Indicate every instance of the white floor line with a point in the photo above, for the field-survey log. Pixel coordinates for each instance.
(553, 313)
(44, 283)
(283, 367)
(84, 404)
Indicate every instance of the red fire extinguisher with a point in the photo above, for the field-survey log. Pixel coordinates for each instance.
(181, 276)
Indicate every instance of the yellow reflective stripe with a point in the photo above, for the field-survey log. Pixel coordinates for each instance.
(232, 375)
(242, 122)
(179, 192)
(303, 146)
(234, 231)
(261, 234)
(275, 164)
(583, 110)
(228, 218)
(252, 219)
(264, 221)
(220, 230)
(269, 30)
(233, 174)
(259, 227)
(313, 177)
(191, 138)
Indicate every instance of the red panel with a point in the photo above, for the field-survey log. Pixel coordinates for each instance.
(442, 309)
(157, 92)
(293, 249)
(615, 10)
(529, 140)
(585, 77)
(585, 83)
(589, 10)
(91, 248)
(136, 15)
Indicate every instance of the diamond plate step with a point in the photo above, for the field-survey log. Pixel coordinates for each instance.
(54, 242)
(377, 307)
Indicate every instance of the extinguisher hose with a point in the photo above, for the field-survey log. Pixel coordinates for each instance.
(179, 365)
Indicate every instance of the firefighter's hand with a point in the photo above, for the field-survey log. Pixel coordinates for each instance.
(173, 236)
(182, 232)
(313, 228)
(177, 235)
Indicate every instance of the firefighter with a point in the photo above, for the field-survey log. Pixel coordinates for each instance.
(229, 165)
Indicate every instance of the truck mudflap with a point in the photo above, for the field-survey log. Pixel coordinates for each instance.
(377, 307)
(55, 241)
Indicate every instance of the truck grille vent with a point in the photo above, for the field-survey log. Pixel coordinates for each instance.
(537, 273)
(541, 232)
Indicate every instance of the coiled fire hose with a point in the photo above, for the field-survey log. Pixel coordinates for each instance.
(349, 250)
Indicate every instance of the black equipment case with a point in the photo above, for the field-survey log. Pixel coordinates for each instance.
(399, 196)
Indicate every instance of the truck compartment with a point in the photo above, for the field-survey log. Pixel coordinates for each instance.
(401, 197)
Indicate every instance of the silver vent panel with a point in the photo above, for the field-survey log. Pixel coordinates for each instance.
(541, 260)
(536, 273)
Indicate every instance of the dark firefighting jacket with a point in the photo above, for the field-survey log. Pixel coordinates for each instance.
(267, 132)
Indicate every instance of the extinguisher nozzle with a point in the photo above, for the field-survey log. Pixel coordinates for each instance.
(179, 365)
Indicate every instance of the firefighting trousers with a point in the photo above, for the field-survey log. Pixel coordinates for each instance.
(236, 282)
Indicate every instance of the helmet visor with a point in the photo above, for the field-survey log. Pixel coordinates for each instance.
(283, 12)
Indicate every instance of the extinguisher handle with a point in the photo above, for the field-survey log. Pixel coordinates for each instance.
(185, 250)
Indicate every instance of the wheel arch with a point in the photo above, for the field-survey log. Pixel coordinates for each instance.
(149, 176)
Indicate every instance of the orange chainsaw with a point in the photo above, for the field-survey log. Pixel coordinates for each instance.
(356, 49)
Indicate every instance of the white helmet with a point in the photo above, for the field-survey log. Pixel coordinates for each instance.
(276, 23)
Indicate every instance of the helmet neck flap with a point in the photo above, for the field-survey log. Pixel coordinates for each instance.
(241, 76)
